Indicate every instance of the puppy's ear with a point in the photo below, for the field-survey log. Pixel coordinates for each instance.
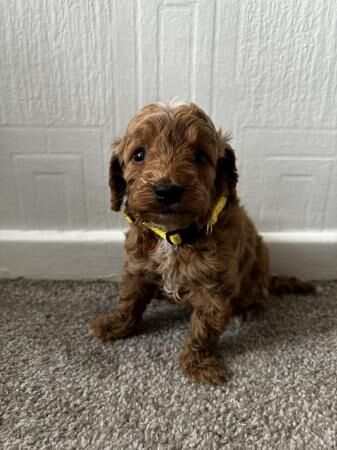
(226, 172)
(116, 180)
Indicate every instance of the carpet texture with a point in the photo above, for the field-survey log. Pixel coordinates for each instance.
(60, 388)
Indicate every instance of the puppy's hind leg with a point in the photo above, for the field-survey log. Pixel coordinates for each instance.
(253, 294)
(137, 290)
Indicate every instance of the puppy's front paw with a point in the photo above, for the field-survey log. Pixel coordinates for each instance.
(206, 370)
(110, 328)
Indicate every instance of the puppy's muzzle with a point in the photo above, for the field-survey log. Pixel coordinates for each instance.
(168, 193)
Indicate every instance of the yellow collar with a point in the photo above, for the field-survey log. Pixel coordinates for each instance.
(185, 235)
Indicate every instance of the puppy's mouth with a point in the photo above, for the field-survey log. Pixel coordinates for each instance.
(169, 210)
(170, 216)
(178, 214)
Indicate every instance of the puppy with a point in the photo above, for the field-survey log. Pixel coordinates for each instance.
(189, 238)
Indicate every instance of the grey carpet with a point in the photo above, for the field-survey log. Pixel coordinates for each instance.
(60, 388)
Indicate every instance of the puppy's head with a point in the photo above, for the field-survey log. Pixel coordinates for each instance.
(172, 165)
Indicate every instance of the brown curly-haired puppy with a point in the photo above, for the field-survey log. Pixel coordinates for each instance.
(189, 239)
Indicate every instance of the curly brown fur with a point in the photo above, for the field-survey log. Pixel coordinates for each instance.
(290, 285)
(225, 272)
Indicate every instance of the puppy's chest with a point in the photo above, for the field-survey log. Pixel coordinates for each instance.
(173, 272)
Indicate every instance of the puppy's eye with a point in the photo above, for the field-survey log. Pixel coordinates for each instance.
(201, 158)
(139, 155)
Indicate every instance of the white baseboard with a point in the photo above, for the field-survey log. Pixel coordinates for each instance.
(61, 255)
(308, 255)
(99, 254)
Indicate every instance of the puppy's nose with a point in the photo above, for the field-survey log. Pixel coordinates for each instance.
(168, 193)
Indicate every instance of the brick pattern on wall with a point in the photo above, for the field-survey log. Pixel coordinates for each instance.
(51, 178)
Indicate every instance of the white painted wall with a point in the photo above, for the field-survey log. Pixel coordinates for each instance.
(73, 73)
